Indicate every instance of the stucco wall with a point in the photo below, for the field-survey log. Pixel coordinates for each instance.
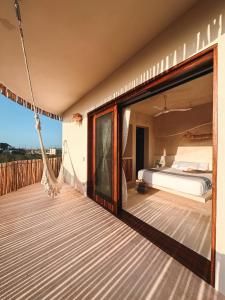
(199, 28)
(171, 146)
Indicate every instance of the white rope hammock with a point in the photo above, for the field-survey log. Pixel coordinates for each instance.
(51, 183)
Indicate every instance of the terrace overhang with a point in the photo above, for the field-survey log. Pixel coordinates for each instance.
(72, 45)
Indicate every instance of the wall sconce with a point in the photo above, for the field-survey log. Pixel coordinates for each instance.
(77, 118)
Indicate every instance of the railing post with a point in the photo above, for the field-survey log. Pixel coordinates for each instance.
(17, 174)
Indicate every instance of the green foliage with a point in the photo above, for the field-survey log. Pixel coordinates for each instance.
(7, 157)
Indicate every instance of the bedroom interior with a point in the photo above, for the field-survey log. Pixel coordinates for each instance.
(167, 163)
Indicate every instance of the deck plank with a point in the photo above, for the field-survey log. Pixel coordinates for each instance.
(71, 248)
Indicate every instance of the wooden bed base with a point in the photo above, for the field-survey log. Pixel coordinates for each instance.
(205, 197)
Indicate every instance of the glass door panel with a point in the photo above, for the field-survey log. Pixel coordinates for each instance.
(104, 157)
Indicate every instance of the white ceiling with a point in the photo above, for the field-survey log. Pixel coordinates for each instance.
(190, 94)
(73, 45)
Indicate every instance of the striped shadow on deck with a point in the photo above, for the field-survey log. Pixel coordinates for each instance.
(71, 248)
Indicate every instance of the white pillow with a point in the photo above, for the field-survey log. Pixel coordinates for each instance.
(203, 166)
(175, 165)
(185, 166)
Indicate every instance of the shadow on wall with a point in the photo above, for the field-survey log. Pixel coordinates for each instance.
(172, 141)
(72, 179)
(204, 36)
(165, 51)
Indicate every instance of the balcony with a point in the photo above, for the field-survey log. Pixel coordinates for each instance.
(17, 174)
(71, 248)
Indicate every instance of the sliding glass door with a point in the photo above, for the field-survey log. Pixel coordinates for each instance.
(105, 159)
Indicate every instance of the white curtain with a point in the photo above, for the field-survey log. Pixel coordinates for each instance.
(126, 122)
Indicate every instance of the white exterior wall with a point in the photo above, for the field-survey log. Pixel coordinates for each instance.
(199, 28)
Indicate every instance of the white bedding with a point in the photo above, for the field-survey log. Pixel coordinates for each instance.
(177, 180)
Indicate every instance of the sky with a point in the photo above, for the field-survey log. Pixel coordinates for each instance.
(17, 127)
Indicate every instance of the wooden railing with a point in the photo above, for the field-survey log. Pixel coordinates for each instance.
(17, 174)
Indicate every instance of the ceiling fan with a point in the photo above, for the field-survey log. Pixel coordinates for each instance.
(166, 110)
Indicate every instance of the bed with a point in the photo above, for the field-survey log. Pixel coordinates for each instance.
(193, 184)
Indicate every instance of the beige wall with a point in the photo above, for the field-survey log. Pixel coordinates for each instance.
(165, 140)
(170, 142)
(198, 29)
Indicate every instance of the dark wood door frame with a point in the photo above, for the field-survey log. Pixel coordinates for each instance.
(112, 207)
(194, 67)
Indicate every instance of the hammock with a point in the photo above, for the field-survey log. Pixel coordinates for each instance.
(51, 183)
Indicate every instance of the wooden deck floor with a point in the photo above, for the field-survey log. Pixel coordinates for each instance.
(71, 248)
(185, 220)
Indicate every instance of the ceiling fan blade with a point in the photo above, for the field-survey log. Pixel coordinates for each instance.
(186, 109)
(172, 110)
(156, 107)
(158, 114)
(180, 109)
(161, 113)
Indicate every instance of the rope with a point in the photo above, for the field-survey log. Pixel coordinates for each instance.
(52, 186)
(18, 15)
